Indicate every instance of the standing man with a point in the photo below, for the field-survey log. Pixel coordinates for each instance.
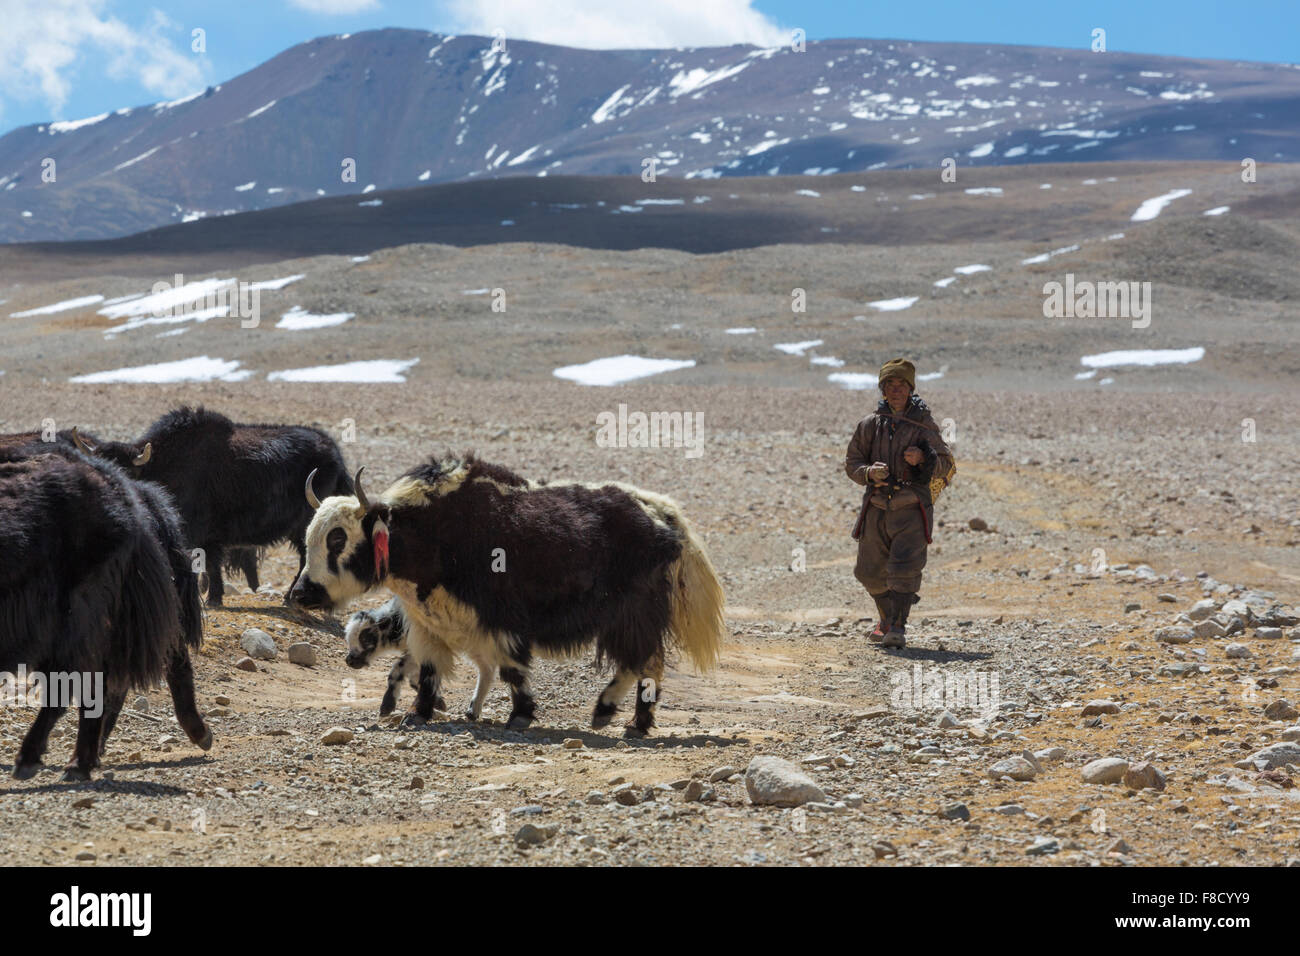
(895, 453)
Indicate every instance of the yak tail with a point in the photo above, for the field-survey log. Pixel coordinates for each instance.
(697, 601)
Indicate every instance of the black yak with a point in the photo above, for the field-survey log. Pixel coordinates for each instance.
(235, 485)
(94, 583)
(499, 567)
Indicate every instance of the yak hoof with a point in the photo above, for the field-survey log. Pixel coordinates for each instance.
(412, 719)
(25, 771)
(471, 716)
(599, 720)
(634, 732)
(386, 707)
(518, 722)
(75, 774)
(206, 742)
(214, 602)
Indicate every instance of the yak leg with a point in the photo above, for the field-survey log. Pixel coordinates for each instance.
(480, 690)
(395, 678)
(607, 702)
(216, 586)
(246, 560)
(647, 697)
(86, 755)
(180, 681)
(112, 710)
(522, 704)
(33, 748)
(300, 543)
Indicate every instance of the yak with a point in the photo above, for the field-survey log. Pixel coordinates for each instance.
(95, 581)
(489, 563)
(235, 485)
(385, 628)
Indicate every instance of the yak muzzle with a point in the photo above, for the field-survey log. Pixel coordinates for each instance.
(310, 596)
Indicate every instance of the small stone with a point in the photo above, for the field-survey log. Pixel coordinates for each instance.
(1291, 733)
(1106, 770)
(573, 743)
(168, 740)
(771, 781)
(1167, 598)
(417, 783)
(1202, 609)
(303, 654)
(627, 796)
(947, 721)
(372, 859)
(853, 800)
(403, 743)
(246, 664)
(337, 735)
(1132, 606)
(141, 705)
(1119, 846)
(694, 790)
(1043, 846)
(723, 773)
(1009, 809)
(258, 644)
(955, 811)
(531, 835)
(1276, 755)
(85, 803)
(596, 798)
(1017, 768)
(1209, 628)
(1174, 635)
(221, 700)
(1237, 651)
(978, 524)
(1095, 707)
(218, 712)
(883, 849)
(1269, 633)
(85, 855)
(1281, 710)
(1050, 754)
(1144, 776)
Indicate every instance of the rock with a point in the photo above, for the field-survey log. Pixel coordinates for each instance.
(168, 740)
(723, 773)
(1237, 651)
(246, 664)
(1009, 809)
(1277, 755)
(1291, 733)
(1181, 669)
(854, 800)
(978, 524)
(1106, 770)
(1209, 628)
(1119, 846)
(1017, 768)
(1281, 710)
(626, 796)
(883, 849)
(258, 645)
(1144, 776)
(532, 835)
(1132, 606)
(771, 781)
(573, 743)
(1269, 633)
(1095, 707)
(1051, 754)
(303, 654)
(955, 811)
(85, 855)
(694, 790)
(337, 735)
(1238, 609)
(947, 721)
(1043, 846)
(595, 798)
(85, 803)
(1174, 635)
(417, 783)
(141, 705)
(1202, 609)
(221, 700)
(1167, 598)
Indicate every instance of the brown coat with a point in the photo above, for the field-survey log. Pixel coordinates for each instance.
(871, 442)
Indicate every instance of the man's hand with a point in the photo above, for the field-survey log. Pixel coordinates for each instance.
(913, 455)
(878, 473)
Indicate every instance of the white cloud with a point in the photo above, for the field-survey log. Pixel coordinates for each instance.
(334, 6)
(599, 24)
(43, 43)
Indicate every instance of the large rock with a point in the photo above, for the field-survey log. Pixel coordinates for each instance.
(1202, 609)
(1269, 633)
(258, 645)
(1277, 755)
(1174, 635)
(1237, 651)
(1209, 628)
(1095, 707)
(771, 781)
(1017, 768)
(303, 654)
(1144, 776)
(1106, 770)
(1281, 710)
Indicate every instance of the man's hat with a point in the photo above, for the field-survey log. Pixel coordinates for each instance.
(898, 368)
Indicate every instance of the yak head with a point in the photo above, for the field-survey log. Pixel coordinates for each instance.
(371, 631)
(347, 549)
(124, 454)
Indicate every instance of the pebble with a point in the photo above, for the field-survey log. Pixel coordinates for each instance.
(955, 811)
(978, 524)
(1202, 609)
(573, 743)
(883, 849)
(246, 664)
(1132, 606)
(1174, 635)
(694, 790)
(1095, 707)
(1051, 754)
(1209, 628)
(85, 855)
(1043, 846)
(221, 700)
(337, 735)
(596, 798)
(723, 773)
(1167, 598)
(1009, 809)
(1144, 776)
(1291, 733)
(258, 644)
(85, 803)
(141, 705)
(303, 654)
(1106, 770)
(1237, 651)
(1281, 709)
(168, 740)
(626, 796)
(771, 781)
(947, 721)
(1269, 633)
(1017, 768)
(1119, 846)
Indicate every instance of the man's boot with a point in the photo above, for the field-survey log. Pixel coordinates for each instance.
(884, 608)
(902, 604)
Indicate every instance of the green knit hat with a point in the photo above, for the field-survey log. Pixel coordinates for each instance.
(898, 368)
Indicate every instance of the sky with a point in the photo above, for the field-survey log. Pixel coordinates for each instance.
(69, 59)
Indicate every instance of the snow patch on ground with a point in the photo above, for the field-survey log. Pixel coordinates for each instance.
(297, 319)
(797, 348)
(1144, 357)
(1151, 208)
(895, 305)
(198, 369)
(372, 370)
(63, 306)
(618, 369)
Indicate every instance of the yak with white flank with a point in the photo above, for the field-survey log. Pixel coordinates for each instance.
(235, 485)
(95, 580)
(384, 628)
(499, 567)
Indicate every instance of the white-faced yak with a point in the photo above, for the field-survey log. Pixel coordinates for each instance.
(235, 485)
(499, 567)
(96, 593)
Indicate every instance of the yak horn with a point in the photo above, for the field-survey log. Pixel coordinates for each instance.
(361, 495)
(142, 459)
(81, 442)
(311, 495)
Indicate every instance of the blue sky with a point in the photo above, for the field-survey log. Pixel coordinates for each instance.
(68, 59)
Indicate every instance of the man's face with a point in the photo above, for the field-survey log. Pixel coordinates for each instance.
(896, 393)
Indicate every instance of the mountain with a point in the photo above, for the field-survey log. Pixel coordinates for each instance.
(411, 107)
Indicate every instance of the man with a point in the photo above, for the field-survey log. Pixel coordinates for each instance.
(895, 453)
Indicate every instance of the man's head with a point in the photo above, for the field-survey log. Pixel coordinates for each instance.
(897, 382)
